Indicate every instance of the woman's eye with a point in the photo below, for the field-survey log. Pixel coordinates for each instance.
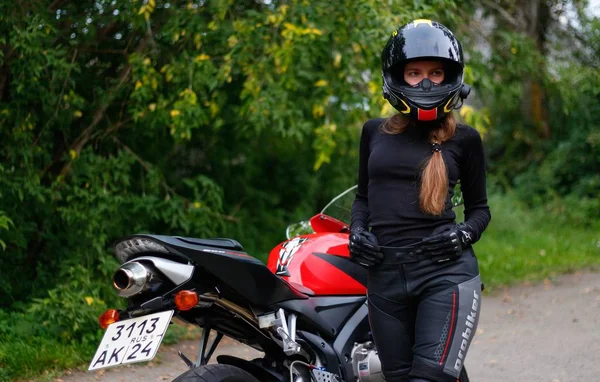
(437, 73)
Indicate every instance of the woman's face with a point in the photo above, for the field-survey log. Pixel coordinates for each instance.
(417, 71)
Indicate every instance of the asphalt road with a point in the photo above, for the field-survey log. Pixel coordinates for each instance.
(542, 333)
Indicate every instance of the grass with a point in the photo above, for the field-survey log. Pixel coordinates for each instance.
(525, 245)
(41, 357)
(44, 358)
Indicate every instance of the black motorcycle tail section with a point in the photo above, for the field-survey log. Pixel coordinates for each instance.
(244, 274)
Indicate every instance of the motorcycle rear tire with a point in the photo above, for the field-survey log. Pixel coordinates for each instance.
(216, 373)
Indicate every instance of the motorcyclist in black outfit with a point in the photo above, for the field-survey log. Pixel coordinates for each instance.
(424, 288)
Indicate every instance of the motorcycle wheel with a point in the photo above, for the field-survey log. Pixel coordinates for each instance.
(216, 373)
(463, 377)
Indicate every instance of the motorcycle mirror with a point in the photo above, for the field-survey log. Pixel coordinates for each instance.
(300, 228)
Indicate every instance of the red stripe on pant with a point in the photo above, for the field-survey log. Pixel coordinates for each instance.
(451, 330)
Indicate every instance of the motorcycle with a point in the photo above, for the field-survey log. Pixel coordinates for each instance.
(306, 309)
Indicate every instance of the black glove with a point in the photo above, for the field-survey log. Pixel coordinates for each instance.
(449, 243)
(364, 248)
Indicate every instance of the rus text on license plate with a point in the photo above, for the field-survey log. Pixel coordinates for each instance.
(133, 340)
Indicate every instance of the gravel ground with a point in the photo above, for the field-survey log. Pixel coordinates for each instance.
(531, 333)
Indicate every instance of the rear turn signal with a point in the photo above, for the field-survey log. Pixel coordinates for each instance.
(186, 299)
(109, 317)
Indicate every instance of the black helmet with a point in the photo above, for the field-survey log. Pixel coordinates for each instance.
(422, 40)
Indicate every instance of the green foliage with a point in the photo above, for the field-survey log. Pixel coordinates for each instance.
(61, 329)
(71, 309)
(178, 331)
(569, 169)
(5, 224)
(538, 77)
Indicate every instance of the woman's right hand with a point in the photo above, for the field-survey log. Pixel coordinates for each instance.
(364, 248)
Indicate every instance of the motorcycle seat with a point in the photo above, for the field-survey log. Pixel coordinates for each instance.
(301, 288)
(217, 243)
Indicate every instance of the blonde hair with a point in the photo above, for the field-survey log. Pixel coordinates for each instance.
(434, 177)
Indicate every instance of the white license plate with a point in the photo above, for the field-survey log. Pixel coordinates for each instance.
(133, 340)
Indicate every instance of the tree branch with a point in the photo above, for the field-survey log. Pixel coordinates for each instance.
(98, 115)
(5, 74)
(85, 136)
(145, 166)
(58, 102)
(102, 33)
(169, 189)
(55, 4)
(107, 51)
(505, 15)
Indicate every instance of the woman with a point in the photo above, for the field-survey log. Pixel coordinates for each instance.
(424, 288)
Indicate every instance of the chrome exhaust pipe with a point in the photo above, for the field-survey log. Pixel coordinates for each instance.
(133, 278)
(242, 313)
(230, 306)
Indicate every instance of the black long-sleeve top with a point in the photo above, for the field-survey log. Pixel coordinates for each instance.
(390, 167)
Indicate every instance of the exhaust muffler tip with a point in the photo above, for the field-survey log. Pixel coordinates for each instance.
(131, 278)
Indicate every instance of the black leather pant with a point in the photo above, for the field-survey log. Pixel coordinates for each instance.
(424, 315)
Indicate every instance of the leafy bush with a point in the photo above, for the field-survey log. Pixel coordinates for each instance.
(70, 311)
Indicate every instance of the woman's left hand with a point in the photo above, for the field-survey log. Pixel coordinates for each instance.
(449, 243)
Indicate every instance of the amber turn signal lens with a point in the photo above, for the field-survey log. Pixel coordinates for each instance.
(109, 317)
(186, 299)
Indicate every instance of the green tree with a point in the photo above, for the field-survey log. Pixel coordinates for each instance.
(199, 118)
(536, 71)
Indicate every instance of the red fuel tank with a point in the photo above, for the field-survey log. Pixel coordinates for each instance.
(320, 262)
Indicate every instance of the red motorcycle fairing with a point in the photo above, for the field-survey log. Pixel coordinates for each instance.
(320, 262)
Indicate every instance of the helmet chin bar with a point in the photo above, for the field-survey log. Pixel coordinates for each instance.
(408, 108)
